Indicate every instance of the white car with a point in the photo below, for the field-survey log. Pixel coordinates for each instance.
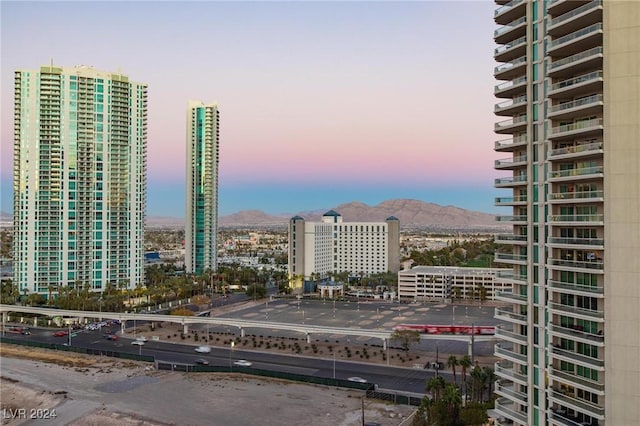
(357, 379)
(203, 349)
(138, 343)
(141, 339)
(243, 363)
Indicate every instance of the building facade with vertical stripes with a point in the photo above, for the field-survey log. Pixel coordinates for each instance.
(569, 86)
(201, 234)
(80, 160)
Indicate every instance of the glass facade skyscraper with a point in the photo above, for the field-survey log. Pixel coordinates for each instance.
(80, 141)
(202, 187)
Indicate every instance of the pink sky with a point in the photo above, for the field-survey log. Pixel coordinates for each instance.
(355, 92)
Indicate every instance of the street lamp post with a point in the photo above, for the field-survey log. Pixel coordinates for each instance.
(69, 334)
(230, 351)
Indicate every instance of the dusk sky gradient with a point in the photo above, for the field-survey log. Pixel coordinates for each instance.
(321, 103)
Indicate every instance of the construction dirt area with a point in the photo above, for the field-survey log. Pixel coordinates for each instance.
(40, 386)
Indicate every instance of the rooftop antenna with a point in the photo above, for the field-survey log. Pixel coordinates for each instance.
(51, 63)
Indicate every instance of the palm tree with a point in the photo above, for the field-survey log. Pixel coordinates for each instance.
(451, 401)
(434, 386)
(465, 363)
(452, 362)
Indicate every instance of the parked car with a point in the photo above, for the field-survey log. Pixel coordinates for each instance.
(243, 363)
(203, 349)
(201, 361)
(357, 379)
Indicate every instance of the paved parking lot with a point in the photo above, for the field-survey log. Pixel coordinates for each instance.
(373, 315)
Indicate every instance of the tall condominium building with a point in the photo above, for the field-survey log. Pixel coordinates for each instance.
(202, 187)
(79, 184)
(570, 84)
(318, 250)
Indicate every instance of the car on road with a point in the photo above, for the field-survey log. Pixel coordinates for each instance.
(110, 337)
(243, 363)
(357, 379)
(141, 339)
(60, 333)
(201, 361)
(203, 349)
(138, 343)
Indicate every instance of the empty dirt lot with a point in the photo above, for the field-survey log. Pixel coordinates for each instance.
(84, 390)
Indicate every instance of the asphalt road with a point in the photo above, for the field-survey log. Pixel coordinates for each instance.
(369, 315)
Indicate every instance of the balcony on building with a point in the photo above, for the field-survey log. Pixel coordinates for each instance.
(559, 7)
(510, 51)
(517, 105)
(576, 335)
(511, 239)
(579, 405)
(506, 314)
(511, 181)
(575, 19)
(512, 143)
(505, 351)
(577, 243)
(573, 175)
(512, 89)
(577, 381)
(576, 289)
(518, 200)
(591, 147)
(576, 358)
(511, 163)
(514, 219)
(510, 336)
(595, 266)
(511, 277)
(576, 197)
(559, 417)
(511, 69)
(509, 12)
(579, 63)
(576, 42)
(580, 107)
(576, 312)
(510, 297)
(581, 85)
(592, 127)
(506, 370)
(507, 389)
(512, 125)
(511, 31)
(507, 408)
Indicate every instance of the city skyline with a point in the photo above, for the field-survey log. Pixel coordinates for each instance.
(323, 103)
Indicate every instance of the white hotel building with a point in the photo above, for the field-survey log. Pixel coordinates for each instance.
(317, 250)
(433, 283)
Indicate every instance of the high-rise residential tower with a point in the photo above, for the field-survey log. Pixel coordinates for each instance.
(80, 149)
(569, 76)
(202, 187)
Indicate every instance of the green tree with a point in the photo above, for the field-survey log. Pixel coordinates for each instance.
(465, 363)
(452, 362)
(435, 386)
(405, 338)
(256, 291)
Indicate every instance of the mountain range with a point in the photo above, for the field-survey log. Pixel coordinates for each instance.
(411, 213)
